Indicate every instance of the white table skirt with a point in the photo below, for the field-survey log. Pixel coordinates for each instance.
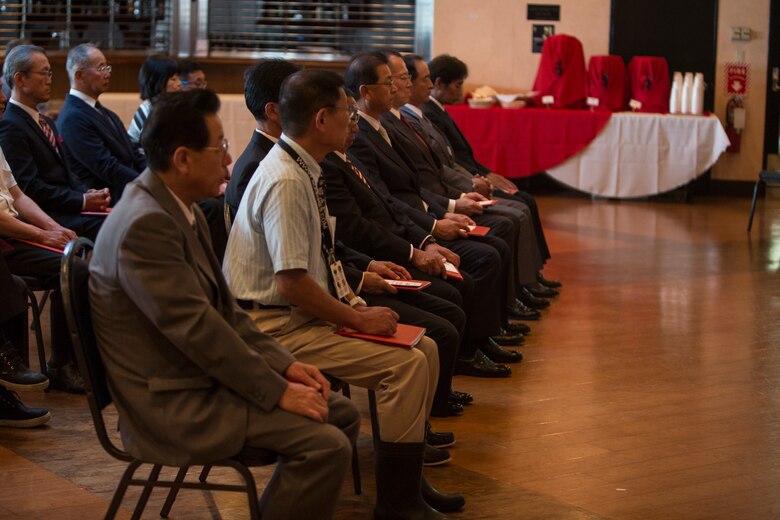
(636, 155)
(237, 121)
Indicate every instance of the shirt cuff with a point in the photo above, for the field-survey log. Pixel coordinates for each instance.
(451, 206)
(360, 285)
(411, 252)
(425, 241)
(433, 227)
(83, 201)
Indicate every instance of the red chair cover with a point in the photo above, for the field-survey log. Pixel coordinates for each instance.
(649, 77)
(562, 72)
(607, 82)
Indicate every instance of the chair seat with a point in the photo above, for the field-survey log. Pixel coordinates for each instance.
(769, 176)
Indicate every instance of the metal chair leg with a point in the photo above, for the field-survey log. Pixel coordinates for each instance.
(374, 417)
(36, 326)
(753, 204)
(139, 507)
(119, 494)
(166, 508)
(251, 490)
(204, 474)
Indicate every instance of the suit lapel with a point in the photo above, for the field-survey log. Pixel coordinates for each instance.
(38, 131)
(380, 144)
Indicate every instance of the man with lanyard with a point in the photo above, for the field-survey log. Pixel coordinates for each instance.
(280, 262)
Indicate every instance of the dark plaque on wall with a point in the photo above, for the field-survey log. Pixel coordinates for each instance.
(544, 12)
(539, 33)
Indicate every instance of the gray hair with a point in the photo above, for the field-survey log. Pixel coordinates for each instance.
(78, 58)
(19, 59)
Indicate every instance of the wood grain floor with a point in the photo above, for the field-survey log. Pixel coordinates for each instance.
(650, 389)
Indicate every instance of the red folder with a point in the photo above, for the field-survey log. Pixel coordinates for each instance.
(486, 203)
(478, 231)
(97, 213)
(405, 336)
(36, 244)
(409, 285)
(452, 271)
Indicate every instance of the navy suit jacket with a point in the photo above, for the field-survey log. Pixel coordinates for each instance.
(464, 154)
(390, 175)
(103, 156)
(42, 173)
(245, 167)
(365, 219)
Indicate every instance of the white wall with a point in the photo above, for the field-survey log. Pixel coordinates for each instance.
(494, 38)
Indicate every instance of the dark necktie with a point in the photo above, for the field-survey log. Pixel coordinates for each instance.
(411, 128)
(48, 132)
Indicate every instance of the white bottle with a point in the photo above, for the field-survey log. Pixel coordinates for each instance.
(687, 94)
(697, 95)
(675, 100)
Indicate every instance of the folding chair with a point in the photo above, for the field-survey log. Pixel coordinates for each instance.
(764, 177)
(74, 280)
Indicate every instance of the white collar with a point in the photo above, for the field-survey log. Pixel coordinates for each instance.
(436, 101)
(415, 109)
(89, 100)
(395, 112)
(267, 135)
(32, 111)
(341, 155)
(188, 214)
(314, 167)
(371, 121)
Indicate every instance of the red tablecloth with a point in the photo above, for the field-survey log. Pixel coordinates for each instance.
(522, 142)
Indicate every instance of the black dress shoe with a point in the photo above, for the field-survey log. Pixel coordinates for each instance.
(552, 284)
(532, 301)
(461, 397)
(481, 366)
(435, 456)
(442, 502)
(66, 378)
(542, 291)
(438, 439)
(521, 311)
(517, 328)
(508, 340)
(451, 410)
(498, 354)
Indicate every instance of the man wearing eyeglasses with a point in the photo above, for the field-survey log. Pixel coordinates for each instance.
(35, 151)
(103, 156)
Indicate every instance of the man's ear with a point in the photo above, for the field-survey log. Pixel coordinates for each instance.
(181, 159)
(319, 117)
(272, 111)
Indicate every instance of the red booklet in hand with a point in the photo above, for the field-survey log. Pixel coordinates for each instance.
(97, 213)
(405, 336)
(486, 203)
(452, 271)
(478, 231)
(409, 285)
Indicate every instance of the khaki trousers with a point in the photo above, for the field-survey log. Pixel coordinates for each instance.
(404, 379)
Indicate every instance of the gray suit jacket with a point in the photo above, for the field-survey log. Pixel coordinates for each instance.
(184, 362)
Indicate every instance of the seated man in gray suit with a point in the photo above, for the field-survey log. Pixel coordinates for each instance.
(193, 379)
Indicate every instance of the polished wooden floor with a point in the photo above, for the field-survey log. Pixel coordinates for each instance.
(650, 389)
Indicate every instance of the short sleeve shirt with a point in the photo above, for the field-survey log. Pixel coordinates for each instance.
(7, 182)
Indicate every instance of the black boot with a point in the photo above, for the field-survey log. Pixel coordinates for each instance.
(398, 480)
(443, 502)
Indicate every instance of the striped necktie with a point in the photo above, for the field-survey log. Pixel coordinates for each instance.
(358, 173)
(48, 132)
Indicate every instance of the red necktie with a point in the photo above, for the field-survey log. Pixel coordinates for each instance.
(357, 172)
(48, 132)
(418, 136)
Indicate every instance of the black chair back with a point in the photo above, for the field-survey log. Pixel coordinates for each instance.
(74, 281)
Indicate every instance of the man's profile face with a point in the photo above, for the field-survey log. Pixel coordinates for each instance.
(210, 167)
(452, 93)
(380, 94)
(36, 82)
(421, 85)
(95, 82)
(401, 81)
(337, 122)
(195, 79)
(353, 126)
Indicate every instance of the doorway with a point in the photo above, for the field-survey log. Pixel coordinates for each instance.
(772, 119)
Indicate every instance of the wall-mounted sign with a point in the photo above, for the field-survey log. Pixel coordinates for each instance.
(544, 12)
(539, 33)
(737, 76)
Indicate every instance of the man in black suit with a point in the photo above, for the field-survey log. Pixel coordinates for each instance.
(35, 151)
(370, 79)
(448, 74)
(262, 83)
(103, 156)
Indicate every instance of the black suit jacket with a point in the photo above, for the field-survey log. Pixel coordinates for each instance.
(245, 167)
(42, 173)
(464, 154)
(390, 174)
(103, 156)
(366, 220)
(428, 166)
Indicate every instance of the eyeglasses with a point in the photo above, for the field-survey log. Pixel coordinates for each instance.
(352, 111)
(403, 77)
(102, 69)
(223, 147)
(196, 83)
(47, 72)
(388, 83)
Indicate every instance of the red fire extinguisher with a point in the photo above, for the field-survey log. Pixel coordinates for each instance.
(735, 123)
